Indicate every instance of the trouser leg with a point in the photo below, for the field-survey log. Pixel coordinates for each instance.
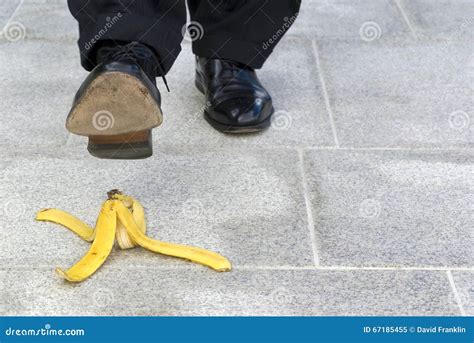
(242, 31)
(156, 23)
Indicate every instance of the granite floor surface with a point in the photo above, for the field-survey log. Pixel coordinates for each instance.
(358, 200)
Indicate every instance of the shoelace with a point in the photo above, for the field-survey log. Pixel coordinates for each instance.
(135, 53)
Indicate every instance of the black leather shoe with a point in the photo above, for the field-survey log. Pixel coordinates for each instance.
(118, 104)
(237, 101)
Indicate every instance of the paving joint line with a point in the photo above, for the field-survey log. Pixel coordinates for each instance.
(408, 149)
(405, 18)
(419, 268)
(68, 146)
(309, 209)
(455, 292)
(259, 268)
(13, 14)
(325, 91)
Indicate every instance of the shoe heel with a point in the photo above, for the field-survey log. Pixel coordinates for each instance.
(199, 84)
(130, 146)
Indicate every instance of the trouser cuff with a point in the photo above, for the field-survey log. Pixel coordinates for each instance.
(225, 47)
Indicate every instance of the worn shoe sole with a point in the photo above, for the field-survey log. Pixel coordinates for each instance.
(117, 113)
(232, 128)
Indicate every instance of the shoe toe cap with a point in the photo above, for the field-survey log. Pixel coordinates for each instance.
(242, 111)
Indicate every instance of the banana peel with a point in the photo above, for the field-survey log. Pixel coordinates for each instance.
(121, 218)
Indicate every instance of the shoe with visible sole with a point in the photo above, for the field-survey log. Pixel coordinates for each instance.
(118, 104)
(236, 100)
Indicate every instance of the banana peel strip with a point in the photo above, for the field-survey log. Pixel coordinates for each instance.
(123, 238)
(198, 255)
(68, 221)
(100, 248)
(122, 218)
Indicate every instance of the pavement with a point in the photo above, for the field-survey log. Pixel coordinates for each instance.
(357, 201)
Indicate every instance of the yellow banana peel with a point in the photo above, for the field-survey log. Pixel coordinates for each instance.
(100, 248)
(121, 218)
(198, 255)
(67, 220)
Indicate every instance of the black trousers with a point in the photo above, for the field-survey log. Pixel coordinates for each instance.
(245, 31)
